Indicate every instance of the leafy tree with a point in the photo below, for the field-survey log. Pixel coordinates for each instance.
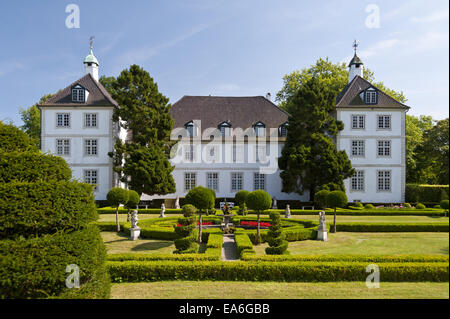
(320, 198)
(115, 197)
(31, 118)
(142, 162)
(259, 201)
(203, 199)
(13, 139)
(310, 158)
(336, 199)
(276, 238)
(239, 200)
(133, 201)
(185, 228)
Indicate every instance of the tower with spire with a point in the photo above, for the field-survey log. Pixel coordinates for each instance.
(91, 62)
(355, 67)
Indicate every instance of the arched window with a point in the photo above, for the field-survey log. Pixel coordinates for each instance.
(225, 128)
(260, 129)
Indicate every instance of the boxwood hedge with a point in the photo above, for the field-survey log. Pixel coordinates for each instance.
(392, 227)
(31, 209)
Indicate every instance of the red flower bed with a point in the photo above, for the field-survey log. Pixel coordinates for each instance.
(254, 224)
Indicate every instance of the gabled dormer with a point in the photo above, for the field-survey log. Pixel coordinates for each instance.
(225, 128)
(370, 95)
(260, 129)
(191, 129)
(79, 94)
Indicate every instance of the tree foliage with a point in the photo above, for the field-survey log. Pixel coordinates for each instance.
(259, 201)
(13, 139)
(142, 162)
(200, 197)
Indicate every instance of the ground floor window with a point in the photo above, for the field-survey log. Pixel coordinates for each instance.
(358, 181)
(259, 181)
(384, 181)
(237, 181)
(63, 147)
(91, 177)
(190, 181)
(212, 181)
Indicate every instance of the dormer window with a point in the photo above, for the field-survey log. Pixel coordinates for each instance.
(191, 129)
(371, 96)
(78, 94)
(225, 129)
(260, 129)
(283, 130)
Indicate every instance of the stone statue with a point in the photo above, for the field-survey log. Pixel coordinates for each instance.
(135, 231)
(177, 203)
(163, 210)
(322, 229)
(287, 212)
(274, 205)
(134, 219)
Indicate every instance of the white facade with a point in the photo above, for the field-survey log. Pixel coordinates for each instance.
(373, 151)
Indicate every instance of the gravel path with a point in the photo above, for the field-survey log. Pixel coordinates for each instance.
(229, 251)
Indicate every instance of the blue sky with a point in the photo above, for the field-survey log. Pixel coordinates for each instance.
(231, 48)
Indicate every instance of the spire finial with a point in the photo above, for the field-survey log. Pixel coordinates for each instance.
(91, 42)
(355, 45)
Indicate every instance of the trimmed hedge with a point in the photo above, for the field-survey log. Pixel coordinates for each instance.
(426, 193)
(392, 227)
(31, 167)
(36, 267)
(142, 271)
(31, 209)
(243, 244)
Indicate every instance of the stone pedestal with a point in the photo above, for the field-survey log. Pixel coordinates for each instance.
(322, 229)
(322, 235)
(134, 233)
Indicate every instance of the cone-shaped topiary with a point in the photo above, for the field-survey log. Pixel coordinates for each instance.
(185, 229)
(276, 238)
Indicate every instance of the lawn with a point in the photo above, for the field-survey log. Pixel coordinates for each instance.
(278, 290)
(123, 217)
(371, 244)
(120, 243)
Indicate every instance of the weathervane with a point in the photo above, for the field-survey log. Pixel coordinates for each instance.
(91, 42)
(355, 45)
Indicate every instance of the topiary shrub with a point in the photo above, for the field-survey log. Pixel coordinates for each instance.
(407, 205)
(203, 199)
(444, 205)
(275, 237)
(31, 167)
(358, 204)
(185, 229)
(132, 203)
(336, 199)
(115, 197)
(259, 201)
(369, 206)
(320, 198)
(420, 206)
(239, 200)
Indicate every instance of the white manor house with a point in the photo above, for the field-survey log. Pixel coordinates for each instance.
(231, 143)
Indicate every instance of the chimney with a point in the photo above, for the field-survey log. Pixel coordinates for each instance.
(268, 96)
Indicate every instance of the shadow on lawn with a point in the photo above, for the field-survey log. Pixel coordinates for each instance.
(154, 245)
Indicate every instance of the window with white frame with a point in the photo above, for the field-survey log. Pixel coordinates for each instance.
(358, 122)
(384, 148)
(237, 181)
(283, 130)
(190, 181)
(91, 177)
(63, 147)
(384, 181)
(357, 181)
(225, 129)
(358, 147)
(63, 119)
(212, 181)
(370, 96)
(238, 153)
(189, 153)
(260, 129)
(78, 94)
(259, 181)
(384, 121)
(90, 120)
(90, 147)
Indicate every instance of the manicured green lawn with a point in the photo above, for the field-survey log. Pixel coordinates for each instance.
(371, 244)
(277, 290)
(376, 219)
(120, 243)
(123, 217)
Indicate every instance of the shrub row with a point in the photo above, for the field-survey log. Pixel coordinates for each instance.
(36, 267)
(141, 271)
(392, 227)
(31, 167)
(243, 244)
(31, 209)
(349, 258)
(426, 193)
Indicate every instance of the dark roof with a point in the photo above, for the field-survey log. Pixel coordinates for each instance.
(355, 60)
(98, 95)
(349, 97)
(240, 112)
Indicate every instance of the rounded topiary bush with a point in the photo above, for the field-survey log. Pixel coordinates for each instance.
(31, 167)
(357, 204)
(133, 199)
(369, 206)
(117, 196)
(201, 197)
(420, 206)
(407, 205)
(32, 209)
(36, 267)
(320, 198)
(239, 200)
(259, 201)
(275, 237)
(185, 229)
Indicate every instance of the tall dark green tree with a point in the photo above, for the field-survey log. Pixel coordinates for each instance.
(143, 161)
(310, 158)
